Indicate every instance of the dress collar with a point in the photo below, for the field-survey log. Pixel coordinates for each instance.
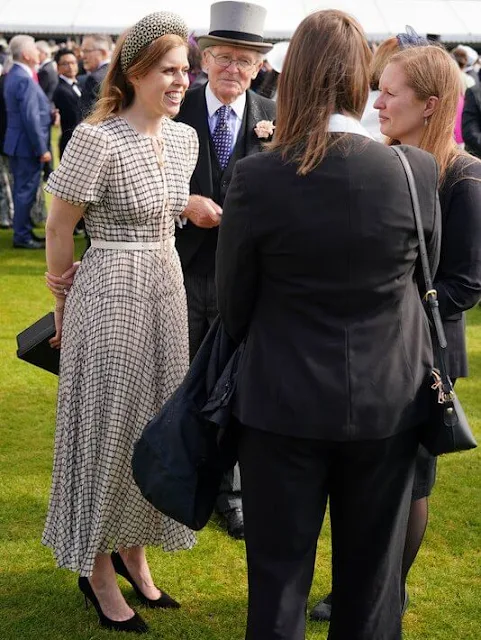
(213, 103)
(339, 123)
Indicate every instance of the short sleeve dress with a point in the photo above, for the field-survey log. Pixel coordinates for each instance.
(124, 339)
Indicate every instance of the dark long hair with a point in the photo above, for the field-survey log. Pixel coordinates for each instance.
(326, 71)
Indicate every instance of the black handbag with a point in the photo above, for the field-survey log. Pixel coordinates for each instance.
(33, 344)
(447, 429)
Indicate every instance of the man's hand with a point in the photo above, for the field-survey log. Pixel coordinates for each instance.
(46, 157)
(203, 212)
(60, 285)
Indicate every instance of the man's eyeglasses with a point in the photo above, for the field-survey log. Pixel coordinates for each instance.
(225, 61)
(88, 50)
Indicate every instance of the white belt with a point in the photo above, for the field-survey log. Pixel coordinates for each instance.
(162, 245)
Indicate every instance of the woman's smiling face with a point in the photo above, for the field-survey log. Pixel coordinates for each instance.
(162, 89)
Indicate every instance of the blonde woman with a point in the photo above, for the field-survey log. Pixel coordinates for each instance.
(419, 95)
(122, 327)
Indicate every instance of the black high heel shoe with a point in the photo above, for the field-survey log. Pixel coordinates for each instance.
(134, 624)
(164, 602)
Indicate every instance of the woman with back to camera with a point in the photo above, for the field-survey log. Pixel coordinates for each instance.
(123, 325)
(411, 79)
(318, 275)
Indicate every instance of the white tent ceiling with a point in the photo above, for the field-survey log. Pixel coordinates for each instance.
(452, 19)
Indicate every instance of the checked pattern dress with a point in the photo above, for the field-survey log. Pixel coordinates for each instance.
(125, 337)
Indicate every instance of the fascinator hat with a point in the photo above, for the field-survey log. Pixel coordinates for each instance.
(147, 31)
(411, 39)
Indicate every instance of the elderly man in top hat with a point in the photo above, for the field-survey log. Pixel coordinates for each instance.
(231, 122)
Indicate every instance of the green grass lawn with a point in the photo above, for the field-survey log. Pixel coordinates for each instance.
(39, 602)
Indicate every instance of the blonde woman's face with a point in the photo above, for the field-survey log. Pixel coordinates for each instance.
(162, 90)
(401, 113)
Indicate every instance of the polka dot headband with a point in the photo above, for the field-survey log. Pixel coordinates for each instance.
(149, 29)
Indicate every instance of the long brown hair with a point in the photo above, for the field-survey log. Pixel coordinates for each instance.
(431, 71)
(326, 71)
(117, 91)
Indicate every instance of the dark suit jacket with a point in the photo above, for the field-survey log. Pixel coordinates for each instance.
(471, 120)
(194, 112)
(319, 271)
(458, 279)
(3, 114)
(48, 79)
(91, 88)
(28, 115)
(68, 104)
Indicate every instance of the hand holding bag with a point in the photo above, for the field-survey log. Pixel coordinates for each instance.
(34, 346)
(448, 429)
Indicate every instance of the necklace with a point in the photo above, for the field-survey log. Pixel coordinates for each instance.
(158, 144)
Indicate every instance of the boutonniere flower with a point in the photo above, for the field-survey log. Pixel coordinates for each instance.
(264, 129)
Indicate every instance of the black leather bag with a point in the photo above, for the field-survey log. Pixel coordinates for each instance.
(447, 430)
(33, 344)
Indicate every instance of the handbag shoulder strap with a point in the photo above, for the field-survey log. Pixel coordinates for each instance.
(431, 295)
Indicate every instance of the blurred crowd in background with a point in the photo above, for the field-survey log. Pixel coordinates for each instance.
(70, 74)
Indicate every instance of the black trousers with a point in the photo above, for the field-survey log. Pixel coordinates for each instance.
(285, 485)
(202, 311)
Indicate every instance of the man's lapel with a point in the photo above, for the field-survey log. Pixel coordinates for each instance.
(195, 114)
(255, 113)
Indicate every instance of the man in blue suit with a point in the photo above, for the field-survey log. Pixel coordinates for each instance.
(26, 137)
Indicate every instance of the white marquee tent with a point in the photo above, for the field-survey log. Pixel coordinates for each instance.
(453, 20)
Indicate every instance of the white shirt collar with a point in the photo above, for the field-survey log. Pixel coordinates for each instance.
(103, 63)
(42, 64)
(213, 103)
(25, 68)
(67, 80)
(339, 123)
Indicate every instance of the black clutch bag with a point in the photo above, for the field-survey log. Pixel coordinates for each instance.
(448, 429)
(33, 344)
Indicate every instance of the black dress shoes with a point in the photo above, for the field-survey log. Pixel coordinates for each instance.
(234, 520)
(30, 244)
(322, 610)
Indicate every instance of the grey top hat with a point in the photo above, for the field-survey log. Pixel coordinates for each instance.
(237, 23)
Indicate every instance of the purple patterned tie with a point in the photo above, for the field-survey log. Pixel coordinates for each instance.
(223, 137)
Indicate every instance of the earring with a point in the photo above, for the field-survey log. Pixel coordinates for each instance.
(426, 122)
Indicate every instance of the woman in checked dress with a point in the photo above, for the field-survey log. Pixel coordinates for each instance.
(123, 326)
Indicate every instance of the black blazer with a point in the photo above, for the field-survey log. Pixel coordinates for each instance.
(68, 104)
(319, 271)
(194, 112)
(48, 79)
(183, 452)
(91, 89)
(458, 279)
(471, 120)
